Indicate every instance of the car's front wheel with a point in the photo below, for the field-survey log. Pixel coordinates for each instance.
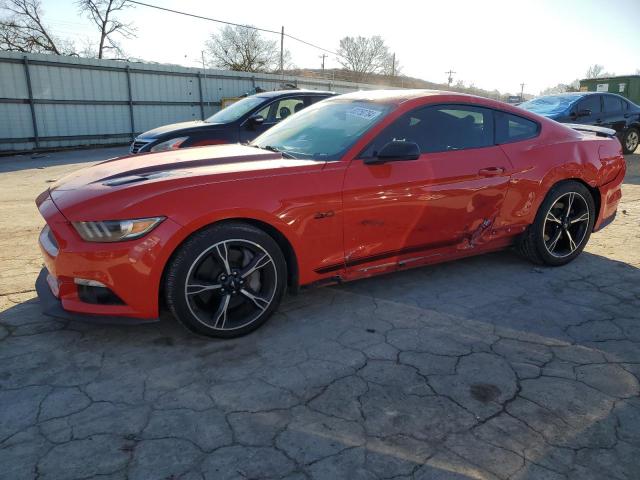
(226, 280)
(562, 226)
(630, 140)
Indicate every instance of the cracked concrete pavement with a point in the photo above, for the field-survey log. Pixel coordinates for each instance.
(485, 368)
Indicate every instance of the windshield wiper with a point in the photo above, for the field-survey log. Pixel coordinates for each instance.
(274, 149)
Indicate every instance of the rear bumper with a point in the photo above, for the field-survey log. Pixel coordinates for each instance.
(610, 195)
(52, 307)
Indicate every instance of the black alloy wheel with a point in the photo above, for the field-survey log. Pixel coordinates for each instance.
(562, 226)
(226, 281)
(566, 224)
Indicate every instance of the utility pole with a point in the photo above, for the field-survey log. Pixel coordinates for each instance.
(522, 91)
(323, 56)
(204, 72)
(450, 77)
(282, 53)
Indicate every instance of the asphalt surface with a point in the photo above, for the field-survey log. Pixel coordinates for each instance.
(483, 368)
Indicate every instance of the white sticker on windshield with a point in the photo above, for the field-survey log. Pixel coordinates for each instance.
(365, 113)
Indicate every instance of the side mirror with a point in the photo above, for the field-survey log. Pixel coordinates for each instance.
(397, 150)
(255, 120)
(582, 113)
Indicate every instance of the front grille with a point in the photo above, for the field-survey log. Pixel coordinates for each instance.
(137, 145)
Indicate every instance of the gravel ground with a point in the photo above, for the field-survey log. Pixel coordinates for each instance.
(482, 368)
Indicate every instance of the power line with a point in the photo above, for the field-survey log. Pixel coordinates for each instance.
(234, 25)
(312, 45)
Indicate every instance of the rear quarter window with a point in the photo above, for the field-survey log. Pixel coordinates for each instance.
(512, 128)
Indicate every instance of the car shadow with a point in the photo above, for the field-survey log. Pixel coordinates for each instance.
(552, 327)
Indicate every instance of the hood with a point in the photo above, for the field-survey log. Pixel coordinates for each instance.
(173, 127)
(153, 173)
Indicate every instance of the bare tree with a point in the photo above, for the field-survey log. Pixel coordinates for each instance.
(103, 14)
(243, 49)
(597, 71)
(363, 55)
(391, 66)
(23, 30)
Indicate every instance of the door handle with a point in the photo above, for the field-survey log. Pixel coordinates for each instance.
(491, 171)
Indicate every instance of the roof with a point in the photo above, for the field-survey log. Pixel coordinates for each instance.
(615, 77)
(278, 93)
(397, 96)
(567, 94)
(580, 94)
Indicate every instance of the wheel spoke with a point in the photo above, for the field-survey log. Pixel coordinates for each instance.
(572, 244)
(258, 262)
(220, 316)
(261, 303)
(569, 204)
(197, 288)
(552, 218)
(582, 218)
(222, 253)
(228, 287)
(554, 239)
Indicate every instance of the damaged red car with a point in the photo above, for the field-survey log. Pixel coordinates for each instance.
(353, 186)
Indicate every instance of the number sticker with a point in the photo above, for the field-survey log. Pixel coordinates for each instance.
(366, 113)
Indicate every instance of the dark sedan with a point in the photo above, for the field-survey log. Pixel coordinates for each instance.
(239, 122)
(592, 108)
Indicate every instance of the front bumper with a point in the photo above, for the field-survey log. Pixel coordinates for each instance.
(52, 306)
(131, 270)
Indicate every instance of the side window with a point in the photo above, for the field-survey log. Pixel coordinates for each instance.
(288, 106)
(439, 129)
(264, 113)
(512, 128)
(612, 104)
(315, 99)
(592, 102)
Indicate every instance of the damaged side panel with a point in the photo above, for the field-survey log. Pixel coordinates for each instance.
(403, 214)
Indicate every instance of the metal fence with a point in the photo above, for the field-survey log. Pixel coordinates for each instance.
(52, 102)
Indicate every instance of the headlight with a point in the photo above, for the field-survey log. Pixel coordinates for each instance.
(172, 144)
(116, 230)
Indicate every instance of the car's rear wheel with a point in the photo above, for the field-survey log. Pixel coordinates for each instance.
(630, 140)
(226, 280)
(562, 226)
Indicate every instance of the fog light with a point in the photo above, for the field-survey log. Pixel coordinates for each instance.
(95, 292)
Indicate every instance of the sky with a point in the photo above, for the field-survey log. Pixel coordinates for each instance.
(493, 44)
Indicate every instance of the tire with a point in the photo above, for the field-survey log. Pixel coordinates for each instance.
(226, 281)
(630, 140)
(546, 241)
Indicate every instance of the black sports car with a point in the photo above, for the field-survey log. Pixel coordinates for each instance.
(592, 108)
(240, 122)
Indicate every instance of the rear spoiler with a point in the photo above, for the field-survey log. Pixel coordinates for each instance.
(597, 131)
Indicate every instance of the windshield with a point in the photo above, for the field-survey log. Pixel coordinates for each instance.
(324, 131)
(236, 110)
(551, 105)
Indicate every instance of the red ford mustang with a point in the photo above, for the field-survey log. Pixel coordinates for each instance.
(353, 186)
